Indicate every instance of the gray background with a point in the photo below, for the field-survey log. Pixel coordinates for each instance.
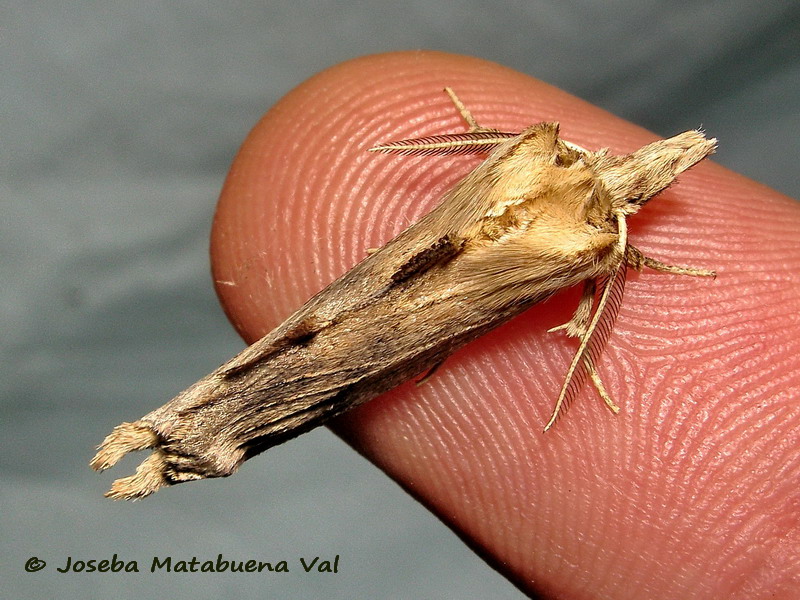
(119, 122)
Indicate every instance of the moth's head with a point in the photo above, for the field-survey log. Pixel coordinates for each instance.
(631, 180)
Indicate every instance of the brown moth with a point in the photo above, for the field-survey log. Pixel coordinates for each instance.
(538, 215)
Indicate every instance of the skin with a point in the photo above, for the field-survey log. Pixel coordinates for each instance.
(692, 491)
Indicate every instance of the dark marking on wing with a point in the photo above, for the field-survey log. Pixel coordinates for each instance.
(441, 251)
(300, 334)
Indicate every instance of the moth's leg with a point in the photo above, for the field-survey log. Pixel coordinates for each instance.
(429, 374)
(579, 323)
(598, 331)
(593, 340)
(577, 326)
(598, 385)
(466, 114)
(637, 260)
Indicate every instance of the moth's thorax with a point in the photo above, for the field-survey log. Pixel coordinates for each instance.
(555, 193)
(600, 210)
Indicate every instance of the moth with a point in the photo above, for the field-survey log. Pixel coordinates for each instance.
(540, 214)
